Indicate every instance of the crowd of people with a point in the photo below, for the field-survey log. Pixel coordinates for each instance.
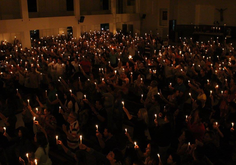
(115, 99)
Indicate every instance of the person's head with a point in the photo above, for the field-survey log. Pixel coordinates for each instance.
(46, 111)
(208, 137)
(41, 139)
(143, 115)
(51, 86)
(180, 79)
(22, 132)
(167, 118)
(153, 83)
(173, 159)
(114, 156)
(72, 117)
(98, 104)
(107, 132)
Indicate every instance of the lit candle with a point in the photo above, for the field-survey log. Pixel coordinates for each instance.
(27, 155)
(186, 116)
(123, 103)
(232, 124)
(28, 101)
(208, 81)
(46, 92)
(141, 96)
(35, 162)
(4, 128)
(155, 115)
(190, 94)
(188, 145)
(96, 127)
(36, 110)
(216, 123)
(84, 96)
(17, 90)
(159, 157)
(210, 92)
(115, 72)
(34, 118)
(80, 139)
(141, 80)
(222, 92)
(126, 130)
(135, 143)
(70, 91)
(57, 95)
(170, 84)
(188, 81)
(56, 138)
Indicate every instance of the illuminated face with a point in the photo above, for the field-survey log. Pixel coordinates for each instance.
(170, 160)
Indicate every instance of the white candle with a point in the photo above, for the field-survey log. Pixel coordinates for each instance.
(27, 155)
(34, 118)
(186, 116)
(70, 91)
(35, 162)
(123, 103)
(135, 143)
(80, 139)
(4, 128)
(190, 94)
(210, 92)
(170, 84)
(36, 110)
(155, 115)
(232, 124)
(96, 127)
(56, 138)
(159, 157)
(28, 101)
(126, 130)
(84, 96)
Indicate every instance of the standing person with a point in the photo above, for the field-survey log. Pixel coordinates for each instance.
(72, 133)
(86, 65)
(113, 58)
(163, 136)
(140, 126)
(196, 126)
(60, 68)
(41, 154)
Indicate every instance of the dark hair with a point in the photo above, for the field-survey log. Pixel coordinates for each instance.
(176, 158)
(42, 140)
(118, 155)
(24, 132)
